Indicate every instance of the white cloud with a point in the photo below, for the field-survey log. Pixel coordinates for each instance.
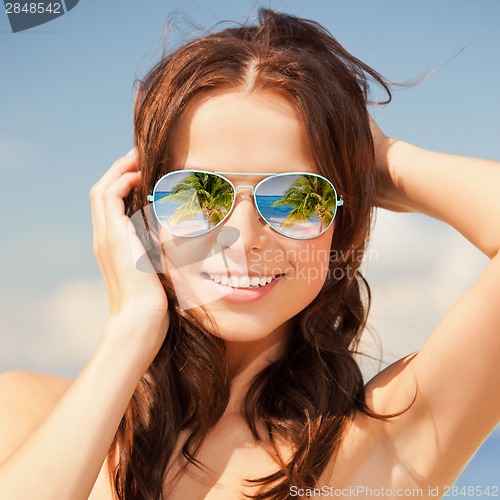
(55, 333)
(75, 314)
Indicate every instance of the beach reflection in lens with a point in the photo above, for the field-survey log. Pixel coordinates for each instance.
(190, 203)
(297, 205)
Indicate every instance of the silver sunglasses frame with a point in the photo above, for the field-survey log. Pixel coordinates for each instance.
(267, 176)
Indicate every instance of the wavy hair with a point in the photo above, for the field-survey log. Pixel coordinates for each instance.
(310, 393)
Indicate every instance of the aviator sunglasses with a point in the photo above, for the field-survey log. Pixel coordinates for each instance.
(299, 205)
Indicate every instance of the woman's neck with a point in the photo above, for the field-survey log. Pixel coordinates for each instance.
(247, 359)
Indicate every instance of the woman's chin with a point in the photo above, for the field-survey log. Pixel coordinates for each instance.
(237, 327)
(237, 332)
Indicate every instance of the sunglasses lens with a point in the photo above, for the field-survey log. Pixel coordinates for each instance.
(300, 206)
(189, 203)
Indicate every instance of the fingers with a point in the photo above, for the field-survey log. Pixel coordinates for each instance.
(131, 292)
(112, 238)
(113, 186)
(114, 194)
(127, 163)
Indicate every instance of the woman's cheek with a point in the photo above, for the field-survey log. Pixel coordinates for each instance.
(311, 267)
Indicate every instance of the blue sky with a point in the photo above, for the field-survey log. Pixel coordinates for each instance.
(66, 102)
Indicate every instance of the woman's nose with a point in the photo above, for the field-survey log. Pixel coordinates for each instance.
(245, 218)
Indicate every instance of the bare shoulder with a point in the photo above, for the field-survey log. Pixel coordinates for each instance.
(25, 399)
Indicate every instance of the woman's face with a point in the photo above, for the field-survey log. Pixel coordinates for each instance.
(250, 132)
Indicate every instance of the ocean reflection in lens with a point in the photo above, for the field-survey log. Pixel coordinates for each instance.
(192, 203)
(299, 206)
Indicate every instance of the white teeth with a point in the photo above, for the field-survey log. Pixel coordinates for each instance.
(254, 281)
(244, 282)
(241, 281)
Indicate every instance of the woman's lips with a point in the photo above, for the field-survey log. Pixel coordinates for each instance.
(243, 288)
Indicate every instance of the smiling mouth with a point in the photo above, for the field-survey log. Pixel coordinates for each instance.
(243, 281)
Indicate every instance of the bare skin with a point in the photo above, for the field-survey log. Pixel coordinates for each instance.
(49, 424)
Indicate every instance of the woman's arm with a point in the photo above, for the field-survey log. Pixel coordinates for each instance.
(62, 457)
(455, 377)
(463, 192)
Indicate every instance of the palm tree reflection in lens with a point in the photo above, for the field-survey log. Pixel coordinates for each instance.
(309, 196)
(201, 193)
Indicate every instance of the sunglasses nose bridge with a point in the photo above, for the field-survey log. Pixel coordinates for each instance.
(252, 195)
(237, 188)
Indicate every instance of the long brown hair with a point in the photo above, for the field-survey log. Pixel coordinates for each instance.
(311, 392)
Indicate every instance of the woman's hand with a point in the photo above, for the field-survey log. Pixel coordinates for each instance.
(389, 195)
(137, 299)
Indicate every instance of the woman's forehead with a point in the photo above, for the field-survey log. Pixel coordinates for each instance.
(234, 130)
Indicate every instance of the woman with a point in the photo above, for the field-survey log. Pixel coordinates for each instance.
(230, 372)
